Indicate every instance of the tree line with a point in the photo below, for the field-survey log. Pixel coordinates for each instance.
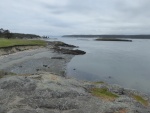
(5, 33)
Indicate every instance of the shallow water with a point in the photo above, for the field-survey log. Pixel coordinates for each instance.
(123, 63)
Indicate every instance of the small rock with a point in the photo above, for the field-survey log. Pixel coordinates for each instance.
(109, 77)
(20, 66)
(44, 65)
(37, 69)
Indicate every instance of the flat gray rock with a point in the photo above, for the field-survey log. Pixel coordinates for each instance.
(48, 93)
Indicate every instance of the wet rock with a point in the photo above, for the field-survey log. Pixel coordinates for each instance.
(68, 51)
(109, 77)
(45, 65)
(20, 66)
(119, 91)
(37, 69)
(64, 48)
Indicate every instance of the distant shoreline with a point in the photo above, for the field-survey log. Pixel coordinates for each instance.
(109, 36)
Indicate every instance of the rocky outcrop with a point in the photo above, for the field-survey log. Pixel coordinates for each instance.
(60, 44)
(69, 51)
(48, 93)
(61, 47)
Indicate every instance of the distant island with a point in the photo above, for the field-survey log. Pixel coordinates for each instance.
(112, 39)
(109, 36)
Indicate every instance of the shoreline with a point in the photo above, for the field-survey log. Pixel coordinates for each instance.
(33, 59)
(44, 91)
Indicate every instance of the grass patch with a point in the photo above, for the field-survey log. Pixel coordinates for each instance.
(20, 42)
(103, 93)
(140, 99)
(99, 82)
(4, 73)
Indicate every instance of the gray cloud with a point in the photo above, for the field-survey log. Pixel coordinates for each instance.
(51, 17)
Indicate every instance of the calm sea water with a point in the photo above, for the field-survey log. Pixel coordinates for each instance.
(123, 63)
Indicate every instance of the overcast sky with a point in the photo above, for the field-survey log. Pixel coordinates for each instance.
(59, 17)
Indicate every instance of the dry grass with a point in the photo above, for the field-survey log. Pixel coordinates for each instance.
(140, 99)
(99, 82)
